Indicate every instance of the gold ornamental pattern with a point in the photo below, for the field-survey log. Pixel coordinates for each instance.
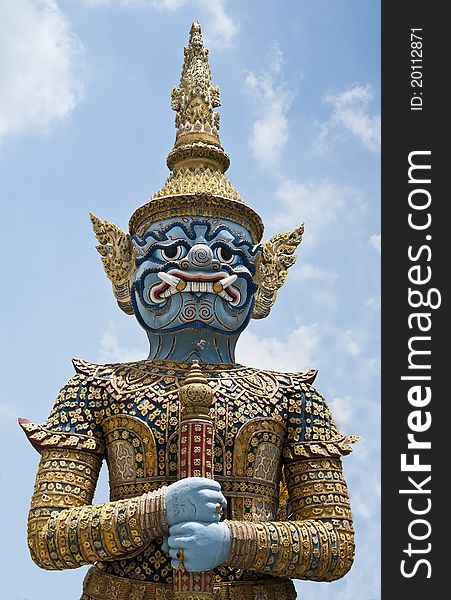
(277, 458)
(195, 179)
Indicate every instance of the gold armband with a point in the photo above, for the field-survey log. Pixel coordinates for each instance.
(243, 537)
(152, 514)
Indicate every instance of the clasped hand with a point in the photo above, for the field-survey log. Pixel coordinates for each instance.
(193, 508)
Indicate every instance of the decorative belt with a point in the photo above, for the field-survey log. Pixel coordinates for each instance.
(103, 586)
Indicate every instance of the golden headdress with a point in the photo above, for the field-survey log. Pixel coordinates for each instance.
(196, 185)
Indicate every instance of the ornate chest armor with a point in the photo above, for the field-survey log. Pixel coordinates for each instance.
(265, 422)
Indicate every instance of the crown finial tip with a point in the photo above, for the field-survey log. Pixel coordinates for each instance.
(195, 36)
(194, 102)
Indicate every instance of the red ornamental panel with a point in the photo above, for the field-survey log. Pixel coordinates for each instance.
(197, 585)
(196, 449)
(195, 460)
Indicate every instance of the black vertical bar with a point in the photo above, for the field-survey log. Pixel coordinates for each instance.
(415, 118)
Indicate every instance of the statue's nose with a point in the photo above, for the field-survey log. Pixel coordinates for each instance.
(200, 256)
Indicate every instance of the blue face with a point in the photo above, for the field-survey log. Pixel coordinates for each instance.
(194, 272)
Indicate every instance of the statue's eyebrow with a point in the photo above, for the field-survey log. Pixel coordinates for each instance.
(212, 233)
(238, 240)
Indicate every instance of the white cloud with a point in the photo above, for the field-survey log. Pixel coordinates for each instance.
(319, 285)
(350, 344)
(319, 204)
(343, 412)
(157, 4)
(112, 351)
(307, 272)
(220, 28)
(364, 504)
(361, 507)
(7, 412)
(167, 4)
(295, 353)
(351, 114)
(376, 241)
(38, 56)
(373, 303)
(272, 99)
(95, 3)
(277, 59)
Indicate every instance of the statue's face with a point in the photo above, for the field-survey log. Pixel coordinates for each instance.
(194, 272)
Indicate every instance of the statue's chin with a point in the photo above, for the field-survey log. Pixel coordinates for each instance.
(195, 325)
(180, 313)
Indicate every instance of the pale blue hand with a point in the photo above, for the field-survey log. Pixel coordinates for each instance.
(205, 545)
(194, 499)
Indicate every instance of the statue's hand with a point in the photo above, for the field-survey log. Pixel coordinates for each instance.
(194, 499)
(203, 546)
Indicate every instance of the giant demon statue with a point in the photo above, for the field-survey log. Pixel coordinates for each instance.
(225, 480)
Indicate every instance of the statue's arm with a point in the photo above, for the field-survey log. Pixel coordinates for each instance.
(65, 530)
(317, 542)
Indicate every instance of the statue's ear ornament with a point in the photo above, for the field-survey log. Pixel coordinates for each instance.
(277, 256)
(118, 258)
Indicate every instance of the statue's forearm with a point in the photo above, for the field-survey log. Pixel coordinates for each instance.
(311, 549)
(318, 543)
(65, 531)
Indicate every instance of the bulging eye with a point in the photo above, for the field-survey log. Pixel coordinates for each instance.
(172, 252)
(225, 255)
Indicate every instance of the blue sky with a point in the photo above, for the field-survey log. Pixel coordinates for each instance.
(86, 124)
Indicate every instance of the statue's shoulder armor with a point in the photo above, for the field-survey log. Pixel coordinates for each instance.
(255, 384)
(297, 379)
(311, 427)
(74, 422)
(289, 383)
(128, 377)
(97, 373)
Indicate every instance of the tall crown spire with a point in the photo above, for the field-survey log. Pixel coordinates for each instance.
(197, 185)
(194, 101)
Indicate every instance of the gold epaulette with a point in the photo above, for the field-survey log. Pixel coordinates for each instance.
(42, 438)
(339, 446)
(84, 367)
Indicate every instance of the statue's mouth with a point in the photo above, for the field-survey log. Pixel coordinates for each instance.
(175, 281)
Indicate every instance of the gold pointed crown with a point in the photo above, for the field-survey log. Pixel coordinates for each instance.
(197, 184)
